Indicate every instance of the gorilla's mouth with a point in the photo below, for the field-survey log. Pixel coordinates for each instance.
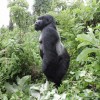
(36, 27)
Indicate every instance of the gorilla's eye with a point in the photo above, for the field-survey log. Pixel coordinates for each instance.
(47, 20)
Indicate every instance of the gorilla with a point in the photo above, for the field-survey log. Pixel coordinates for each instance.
(55, 58)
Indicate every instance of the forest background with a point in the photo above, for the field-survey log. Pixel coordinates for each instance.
(20, 64)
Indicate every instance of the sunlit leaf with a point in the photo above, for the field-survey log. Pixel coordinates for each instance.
(82, 73)
(22, 81)
(10, 88)
(88, 80)
(83, 56)
(83, 44)
(35, 92)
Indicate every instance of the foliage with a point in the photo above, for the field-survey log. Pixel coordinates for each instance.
(44, 6)
(79, 27)
(41, 6)
(43, 93)
(18, 54)
(90, 55)
(58, 5)
(19, 14)
(19, 90)
(93, 44)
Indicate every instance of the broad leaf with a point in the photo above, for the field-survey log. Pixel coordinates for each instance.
(23, 80)
(83, 56)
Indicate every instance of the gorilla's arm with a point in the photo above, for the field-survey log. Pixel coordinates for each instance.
(49, 48)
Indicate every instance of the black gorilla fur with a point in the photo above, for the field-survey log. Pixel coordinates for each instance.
(55, 58)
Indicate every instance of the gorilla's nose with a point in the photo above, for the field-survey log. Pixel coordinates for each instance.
(37, 22)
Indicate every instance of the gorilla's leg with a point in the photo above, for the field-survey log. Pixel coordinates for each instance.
(62, 67)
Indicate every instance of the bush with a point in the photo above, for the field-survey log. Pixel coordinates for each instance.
(19, 54)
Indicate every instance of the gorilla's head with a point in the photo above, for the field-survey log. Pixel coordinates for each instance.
(43, 21)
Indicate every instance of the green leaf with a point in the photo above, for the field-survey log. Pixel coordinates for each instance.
(82, 73)
(10, 88)
(35, 92)
(83, 56)
(88, 39)
(89, 80)
(83, 44)
(23, 80)
(4, 97)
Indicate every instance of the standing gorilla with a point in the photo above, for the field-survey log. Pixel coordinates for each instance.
(55, 58)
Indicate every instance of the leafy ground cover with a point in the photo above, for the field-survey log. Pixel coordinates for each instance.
(20, 63)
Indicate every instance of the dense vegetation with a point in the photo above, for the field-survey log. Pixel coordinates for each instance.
(20, 63)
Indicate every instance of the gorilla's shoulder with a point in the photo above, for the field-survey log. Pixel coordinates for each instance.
(49, 29)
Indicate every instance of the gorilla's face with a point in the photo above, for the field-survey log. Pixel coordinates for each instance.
(43, 21)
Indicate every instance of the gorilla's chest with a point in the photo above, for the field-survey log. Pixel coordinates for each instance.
(40, 41)
(40, 38)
